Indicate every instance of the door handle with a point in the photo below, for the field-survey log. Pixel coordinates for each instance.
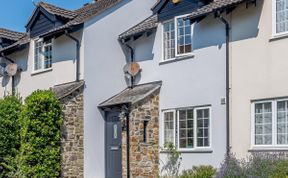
(115, 148)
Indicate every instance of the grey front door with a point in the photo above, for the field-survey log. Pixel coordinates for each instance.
(113, 145)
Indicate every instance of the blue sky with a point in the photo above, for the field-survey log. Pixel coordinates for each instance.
(15, 13)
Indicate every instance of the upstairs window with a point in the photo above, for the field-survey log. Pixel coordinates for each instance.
(43, 55)
(280, 17)
(177, 37)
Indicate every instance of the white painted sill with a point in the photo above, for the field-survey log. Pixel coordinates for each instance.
(191, 151)
(177, 58)
(278, 37)
(269, 149)
(41, 71)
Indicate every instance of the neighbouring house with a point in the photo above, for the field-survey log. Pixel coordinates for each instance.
(133, 75)
(259, 120)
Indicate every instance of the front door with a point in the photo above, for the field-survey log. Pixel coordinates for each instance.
(113, 145)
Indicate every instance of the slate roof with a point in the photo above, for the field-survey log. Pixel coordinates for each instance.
(214, 6)
(151, 22)
(11, 35)
(76, 17)
(148, 24)
(63, 90)
(132, 95)
(58, 11)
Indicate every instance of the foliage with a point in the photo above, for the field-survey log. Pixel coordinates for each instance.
(199, 172)
(41, 120)
(172, 165)
(10, 108)
(257, 165)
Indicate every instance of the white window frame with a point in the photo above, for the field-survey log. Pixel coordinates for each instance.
(274, 28)
(176, 115)
(176, 39)
(174, 124)
(274, 144)
(34, 71)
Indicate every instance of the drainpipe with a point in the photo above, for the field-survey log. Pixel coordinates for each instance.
(227, 28)
(13, 77)
(78, 45)
(132, 53)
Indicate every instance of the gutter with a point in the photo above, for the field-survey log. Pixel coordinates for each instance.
(78, 45)
(227, 29)
(132, 54)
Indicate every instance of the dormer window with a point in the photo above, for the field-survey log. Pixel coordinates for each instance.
(177, 38)
(43, 55)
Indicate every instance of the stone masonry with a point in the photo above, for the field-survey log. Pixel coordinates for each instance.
(144, 157)
(72, 151)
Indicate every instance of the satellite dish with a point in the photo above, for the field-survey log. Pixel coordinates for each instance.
(132, 68)
(11, 69)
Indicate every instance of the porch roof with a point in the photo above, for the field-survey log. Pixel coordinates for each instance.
(132, 95)
(63, 90)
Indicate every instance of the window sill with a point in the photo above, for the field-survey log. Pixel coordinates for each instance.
(178, 58)
(190, 151)
(268, 149)
(278, 37)
(41, 71)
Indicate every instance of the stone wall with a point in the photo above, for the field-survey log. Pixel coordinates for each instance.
(72, 151)
(144, 157)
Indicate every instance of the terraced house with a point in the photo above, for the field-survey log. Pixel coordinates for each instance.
(205, 75)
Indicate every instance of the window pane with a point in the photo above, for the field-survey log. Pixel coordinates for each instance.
(169, 40)
(202, 118)
(184, 40)
(169, 127)
(186, 130)
(281, 16)
(282, 122)
(37, 56)
(263, 123)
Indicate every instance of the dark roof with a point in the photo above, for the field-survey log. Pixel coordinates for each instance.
(214, 6)
(146, 25)
(63, 90)
(132, 95)
(11, 35)
(58, 11)
(85, 13)
(76, 17)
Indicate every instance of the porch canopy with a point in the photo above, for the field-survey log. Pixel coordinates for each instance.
(132, 95)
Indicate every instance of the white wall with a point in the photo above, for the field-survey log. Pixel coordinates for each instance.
(195, 81)
(63, 68)
(104, 77)
(259, 68)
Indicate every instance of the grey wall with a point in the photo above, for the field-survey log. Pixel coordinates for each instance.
(195, 81)
(104, 77)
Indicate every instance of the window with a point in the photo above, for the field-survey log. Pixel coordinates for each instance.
(145, 134)
(181, 37)
(193, 128)
(43, 55)
(169, 127)
(280, 17)
(270, 120)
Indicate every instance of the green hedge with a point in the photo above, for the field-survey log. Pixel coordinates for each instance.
(41, 120)
(10, 108)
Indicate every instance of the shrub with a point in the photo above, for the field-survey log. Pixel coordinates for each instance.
(10, 108)
(41, 120)
(257, 165)
(199, 172)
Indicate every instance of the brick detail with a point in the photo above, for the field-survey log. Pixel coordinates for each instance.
(72, 148)
(144, 157)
